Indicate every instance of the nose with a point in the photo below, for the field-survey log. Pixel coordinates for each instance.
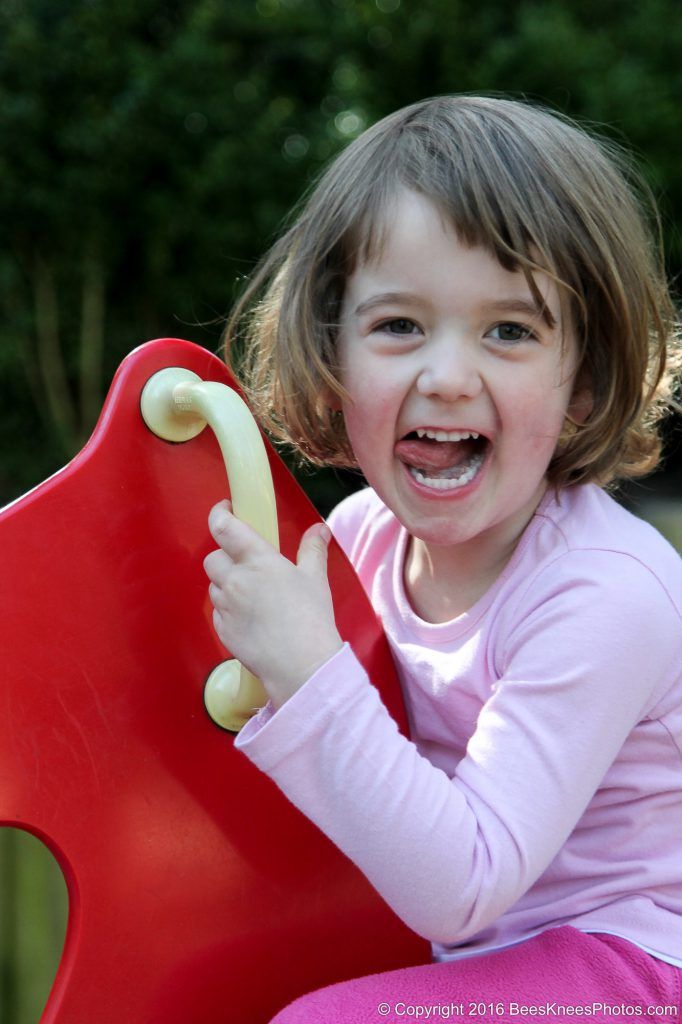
(450, 369)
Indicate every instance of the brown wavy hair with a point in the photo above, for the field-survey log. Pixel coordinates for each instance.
(536, 190)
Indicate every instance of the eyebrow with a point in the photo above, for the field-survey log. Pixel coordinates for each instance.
(385, 298)
(525, 307)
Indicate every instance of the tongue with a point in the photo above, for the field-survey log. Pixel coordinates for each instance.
(424, 454)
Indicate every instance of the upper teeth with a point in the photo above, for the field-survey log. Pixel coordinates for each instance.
(447, 435)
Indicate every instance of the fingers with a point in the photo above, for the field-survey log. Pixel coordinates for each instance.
(242, 546)
(217, 597)
(236, 538)
(217, 566)
(313, 549)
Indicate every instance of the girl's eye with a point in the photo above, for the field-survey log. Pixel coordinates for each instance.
(398, 326)
(510, 333)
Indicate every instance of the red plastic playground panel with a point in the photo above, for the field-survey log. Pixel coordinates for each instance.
(197, 892)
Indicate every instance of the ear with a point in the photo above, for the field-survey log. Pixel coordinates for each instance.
(581, 404)
(330, 399)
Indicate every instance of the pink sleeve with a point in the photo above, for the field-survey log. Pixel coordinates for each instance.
(452, 855)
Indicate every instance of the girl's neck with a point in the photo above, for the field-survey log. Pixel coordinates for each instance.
(442, 583)
(439, 587)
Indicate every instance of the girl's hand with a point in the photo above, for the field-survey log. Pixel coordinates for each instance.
(275, 617)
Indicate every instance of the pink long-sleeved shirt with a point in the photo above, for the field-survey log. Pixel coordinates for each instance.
(543, 782)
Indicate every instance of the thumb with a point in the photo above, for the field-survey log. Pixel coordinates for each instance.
(312, 551)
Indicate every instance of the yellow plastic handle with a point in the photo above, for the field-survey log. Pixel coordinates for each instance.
(176, 405)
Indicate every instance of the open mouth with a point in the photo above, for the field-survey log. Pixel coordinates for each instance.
(440, 459)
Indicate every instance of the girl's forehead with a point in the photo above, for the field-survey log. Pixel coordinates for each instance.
(394, 218)
(409, 221)
(386, 214)
(390, 215)
(419, 253)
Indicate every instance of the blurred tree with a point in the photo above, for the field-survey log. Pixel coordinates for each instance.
(149, 151)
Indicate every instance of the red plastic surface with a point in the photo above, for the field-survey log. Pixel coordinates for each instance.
(197, 892)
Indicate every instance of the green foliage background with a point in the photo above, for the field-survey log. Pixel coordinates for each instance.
(148, 153)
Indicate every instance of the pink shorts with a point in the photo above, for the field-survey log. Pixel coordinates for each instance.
(562, 973)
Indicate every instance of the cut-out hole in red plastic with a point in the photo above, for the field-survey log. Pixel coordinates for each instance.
(33, 914)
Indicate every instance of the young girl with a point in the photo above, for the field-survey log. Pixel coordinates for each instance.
(469, 307)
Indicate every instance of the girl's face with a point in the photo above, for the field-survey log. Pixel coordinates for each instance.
(458, 387)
